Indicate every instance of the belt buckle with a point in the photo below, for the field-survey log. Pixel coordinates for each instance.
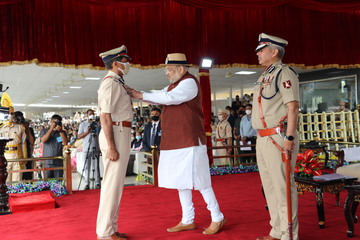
(278, 131)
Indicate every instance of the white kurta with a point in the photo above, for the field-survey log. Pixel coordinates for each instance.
(183, 168)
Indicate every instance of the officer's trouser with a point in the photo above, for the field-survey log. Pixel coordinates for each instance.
(272, 173)
(113, 182)
(16, 176)
(221, 152)
(187, 206)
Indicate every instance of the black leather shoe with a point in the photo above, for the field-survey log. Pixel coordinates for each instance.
(86, 187)
(98, 186)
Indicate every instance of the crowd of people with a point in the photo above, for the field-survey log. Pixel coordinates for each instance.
(232, 127)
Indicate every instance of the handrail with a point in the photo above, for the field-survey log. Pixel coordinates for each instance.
(333, 126)
(66, 167)
(232, 157)
(154, 155)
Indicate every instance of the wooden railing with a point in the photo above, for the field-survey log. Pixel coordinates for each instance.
(330, 127)
(234, 157)
(152, 161)
(67, 178)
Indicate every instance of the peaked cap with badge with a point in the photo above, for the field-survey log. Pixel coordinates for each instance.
(266, 40)
(117, 54)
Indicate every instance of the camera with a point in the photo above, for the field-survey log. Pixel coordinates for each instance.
(94, 124)
(58, 123)
(20, 119)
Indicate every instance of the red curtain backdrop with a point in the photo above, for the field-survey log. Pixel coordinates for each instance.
(74, 32)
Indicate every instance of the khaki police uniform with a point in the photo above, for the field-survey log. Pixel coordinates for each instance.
(275, 95)
(113, 99)
(15, 149)
(223, 132)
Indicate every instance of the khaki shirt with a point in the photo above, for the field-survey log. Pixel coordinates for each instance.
(274, 108)
(17, 133)
(113, 98)
(223, 130)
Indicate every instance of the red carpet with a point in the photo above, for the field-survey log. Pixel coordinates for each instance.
(27, 202)
(147, 211)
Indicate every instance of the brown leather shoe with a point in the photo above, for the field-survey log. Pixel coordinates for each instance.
(267, 238)
(214, 227)
(115, 236)
(182, 227)
(123, 235)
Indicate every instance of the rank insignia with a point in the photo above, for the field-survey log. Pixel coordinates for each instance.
(271, 69)
(287, 84)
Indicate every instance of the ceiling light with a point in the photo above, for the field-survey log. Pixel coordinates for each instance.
(228, 75)
(245, 73)
(65, 92)
(55, 96)
(49, 99)
(206, 63)
(93, 78)
(75, 87)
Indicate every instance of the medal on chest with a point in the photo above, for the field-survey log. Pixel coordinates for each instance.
(267, 80)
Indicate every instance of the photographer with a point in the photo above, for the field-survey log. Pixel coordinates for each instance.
(88, 130)
(54, 139)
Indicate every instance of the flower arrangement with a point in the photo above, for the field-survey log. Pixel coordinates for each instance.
(307, 164)
(53, 185)
(214, 171)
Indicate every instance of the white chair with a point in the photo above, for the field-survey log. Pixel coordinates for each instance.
(352, 156)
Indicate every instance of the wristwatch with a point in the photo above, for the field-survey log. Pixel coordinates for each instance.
(290, 138)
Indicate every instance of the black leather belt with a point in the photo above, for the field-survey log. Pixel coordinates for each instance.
(11, 148)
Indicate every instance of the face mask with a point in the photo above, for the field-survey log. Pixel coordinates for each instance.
(155, 118)
(132, 131)
(91, 117)
(221, 117)
(248, 112)
(138, 137)
(126, 68)
(132, 138)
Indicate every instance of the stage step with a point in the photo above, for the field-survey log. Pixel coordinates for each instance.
(27, 202)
